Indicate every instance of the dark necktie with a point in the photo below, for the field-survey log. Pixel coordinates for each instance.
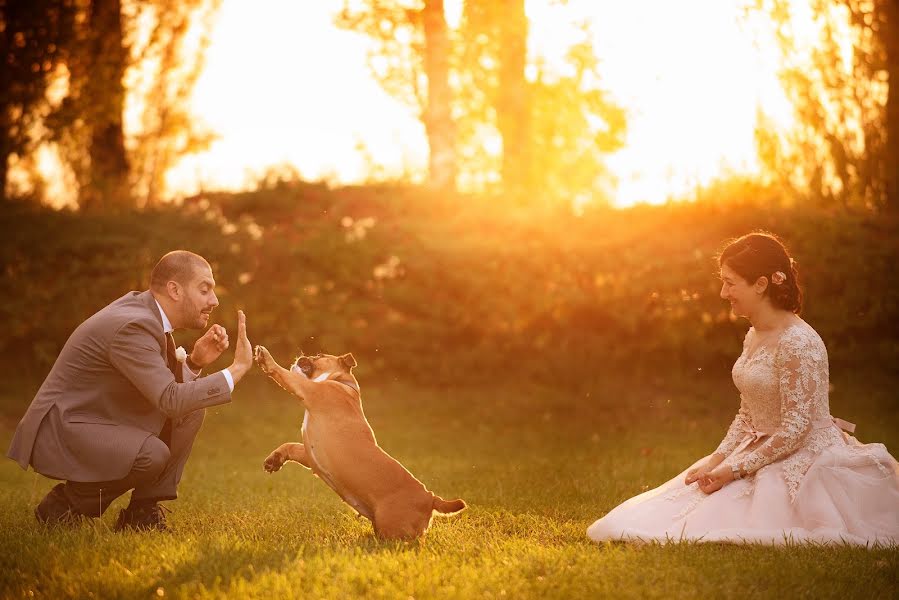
(175, 367)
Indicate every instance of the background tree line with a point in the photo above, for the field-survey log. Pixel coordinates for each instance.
(480, 81)
(497, 117)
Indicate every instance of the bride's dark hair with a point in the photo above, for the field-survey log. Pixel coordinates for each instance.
(761, 254)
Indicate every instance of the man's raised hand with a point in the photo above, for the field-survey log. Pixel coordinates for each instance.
(243, 350)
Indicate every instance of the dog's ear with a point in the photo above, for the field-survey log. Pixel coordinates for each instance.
(348, 361)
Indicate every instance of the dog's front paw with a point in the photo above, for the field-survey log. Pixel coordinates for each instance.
(274, 462)
(264, 360)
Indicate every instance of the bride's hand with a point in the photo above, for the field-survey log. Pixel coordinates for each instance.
(715, 480)
(696, 473)
(703, 468)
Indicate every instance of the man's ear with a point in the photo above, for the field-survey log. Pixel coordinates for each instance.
(348, 361)
(173, 289)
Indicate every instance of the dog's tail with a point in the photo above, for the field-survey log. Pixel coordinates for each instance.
(448, 507)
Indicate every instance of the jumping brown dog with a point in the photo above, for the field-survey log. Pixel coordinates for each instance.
(339, 447)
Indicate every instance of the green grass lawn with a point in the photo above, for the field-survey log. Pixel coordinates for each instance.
(535, 465)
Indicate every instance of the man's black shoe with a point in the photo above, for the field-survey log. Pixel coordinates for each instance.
(55, 509)
(142, 517)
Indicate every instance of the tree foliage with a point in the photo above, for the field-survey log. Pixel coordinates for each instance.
(35, 36)
(519, 124)
(845, 149)
(574, 124)
(411, 59)
(165, 67)
(113, 59)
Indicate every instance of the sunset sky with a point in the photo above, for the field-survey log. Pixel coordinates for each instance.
(282, 85)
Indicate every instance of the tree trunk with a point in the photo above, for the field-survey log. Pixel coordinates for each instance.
(891, 152)
(4, 165)
(5, 104)
(513, 106)
(437, 118)
(5, 124)
(108, 178)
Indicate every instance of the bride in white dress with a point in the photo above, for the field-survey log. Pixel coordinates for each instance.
(785, 471)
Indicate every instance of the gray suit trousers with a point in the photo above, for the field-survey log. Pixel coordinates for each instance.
(155, 474)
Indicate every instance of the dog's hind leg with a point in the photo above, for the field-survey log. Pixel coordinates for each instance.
(294, 451)
(401, 521)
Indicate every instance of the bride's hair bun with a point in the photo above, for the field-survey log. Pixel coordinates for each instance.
(761, 254)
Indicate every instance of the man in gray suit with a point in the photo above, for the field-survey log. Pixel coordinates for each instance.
(120, 409)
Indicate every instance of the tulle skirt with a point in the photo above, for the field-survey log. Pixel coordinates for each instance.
(849, 495)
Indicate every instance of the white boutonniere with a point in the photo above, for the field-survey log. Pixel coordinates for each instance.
(180, 354)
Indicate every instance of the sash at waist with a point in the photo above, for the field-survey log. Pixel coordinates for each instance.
(840, 423)
(755, 435)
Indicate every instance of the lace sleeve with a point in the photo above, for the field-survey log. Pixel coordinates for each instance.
(736, 432)
(795, 367)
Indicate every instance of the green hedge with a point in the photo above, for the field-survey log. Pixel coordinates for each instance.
(440, 288)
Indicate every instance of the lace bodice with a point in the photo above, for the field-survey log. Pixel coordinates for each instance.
(783, 398)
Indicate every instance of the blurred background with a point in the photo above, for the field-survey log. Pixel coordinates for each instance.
(454, 191)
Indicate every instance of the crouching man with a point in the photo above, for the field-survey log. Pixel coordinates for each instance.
(120, 408)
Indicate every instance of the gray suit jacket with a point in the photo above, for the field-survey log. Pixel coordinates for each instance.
(111, 388)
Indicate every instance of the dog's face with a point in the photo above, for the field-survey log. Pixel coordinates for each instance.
(323, 364)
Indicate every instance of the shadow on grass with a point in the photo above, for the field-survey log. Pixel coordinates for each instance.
(220, 564)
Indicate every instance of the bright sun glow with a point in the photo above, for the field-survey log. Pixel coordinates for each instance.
(283, 86)
(692, 77)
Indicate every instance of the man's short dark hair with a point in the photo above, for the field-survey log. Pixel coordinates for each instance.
(178, 265)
